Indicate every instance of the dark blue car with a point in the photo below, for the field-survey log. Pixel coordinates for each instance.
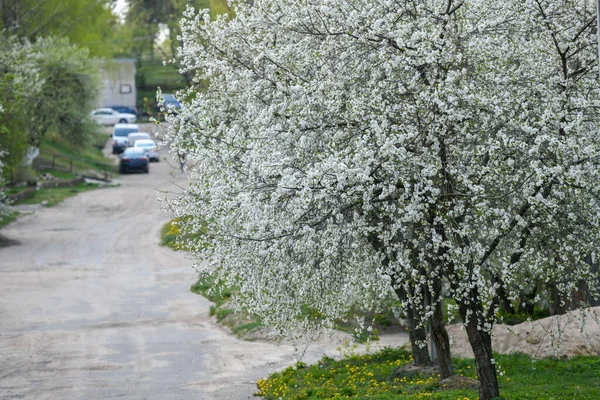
(125, 109)
(133, 159)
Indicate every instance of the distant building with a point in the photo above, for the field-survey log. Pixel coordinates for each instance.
(118, 77)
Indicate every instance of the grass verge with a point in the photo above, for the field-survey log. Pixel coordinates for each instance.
(8, 217)
(240, 323)
(378, 376)
(54, 196)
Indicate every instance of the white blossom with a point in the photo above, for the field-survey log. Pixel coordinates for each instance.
(346, 148)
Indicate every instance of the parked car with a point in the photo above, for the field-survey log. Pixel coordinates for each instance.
(120, 136)
(149, 147)
(171, 101)
(108, 116)
(133, 159)
(125, 110)
(133, 137)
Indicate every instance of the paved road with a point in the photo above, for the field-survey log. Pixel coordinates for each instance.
(91, 307)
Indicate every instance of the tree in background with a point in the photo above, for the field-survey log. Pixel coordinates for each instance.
(47, 86)
(145, 18)
(20, 80)
(349, 149)
(88, 23)
(68, 92)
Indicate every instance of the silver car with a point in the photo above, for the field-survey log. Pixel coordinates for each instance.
(108, 116)
(149, 147)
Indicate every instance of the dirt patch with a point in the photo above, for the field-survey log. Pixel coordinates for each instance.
(459, 382)
(576, 333)
(411, 371)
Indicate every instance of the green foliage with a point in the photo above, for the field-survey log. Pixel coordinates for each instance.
(375, 376)
(144, 16)
(48, 86)
(153, 74)
(218, 7)
(68, 93)
(13, 137)
(522, 316)
(23, 174)
(87, 23)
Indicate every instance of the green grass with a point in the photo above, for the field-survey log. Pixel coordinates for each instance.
(100, 140)
(174, 234)
(89, 158)
(8, 217)
(61, 174)
(372, 376)
(56, 195)
(239, 323)
(14, 190)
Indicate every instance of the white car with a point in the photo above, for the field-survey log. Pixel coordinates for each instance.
(120, 136)
(108, 116)
(149, 147)
(135, 136)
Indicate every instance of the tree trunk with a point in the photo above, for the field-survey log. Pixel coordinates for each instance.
(505, 304)
(416, 334)
(441, 340)
(481, 343)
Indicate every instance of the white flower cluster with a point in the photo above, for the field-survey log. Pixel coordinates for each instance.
(346, 149)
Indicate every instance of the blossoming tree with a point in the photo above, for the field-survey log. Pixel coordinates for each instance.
(348, 149)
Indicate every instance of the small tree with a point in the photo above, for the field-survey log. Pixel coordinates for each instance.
(19, 81)
(348, 149)
(68, 92)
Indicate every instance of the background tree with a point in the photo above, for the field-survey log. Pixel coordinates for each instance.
(350, 149)
(88, 23)
(68, 92)
(149, 17)
(20, 80)
(48, 86)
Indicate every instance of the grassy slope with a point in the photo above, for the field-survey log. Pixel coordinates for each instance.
(89, 158)
(81, 159)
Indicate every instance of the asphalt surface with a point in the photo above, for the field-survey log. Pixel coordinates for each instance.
(91, 307)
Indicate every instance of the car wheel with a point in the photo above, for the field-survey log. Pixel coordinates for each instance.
(122, 121)
(121, 170)
(147, 170)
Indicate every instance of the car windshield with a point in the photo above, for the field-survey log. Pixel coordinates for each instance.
(124, 131)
